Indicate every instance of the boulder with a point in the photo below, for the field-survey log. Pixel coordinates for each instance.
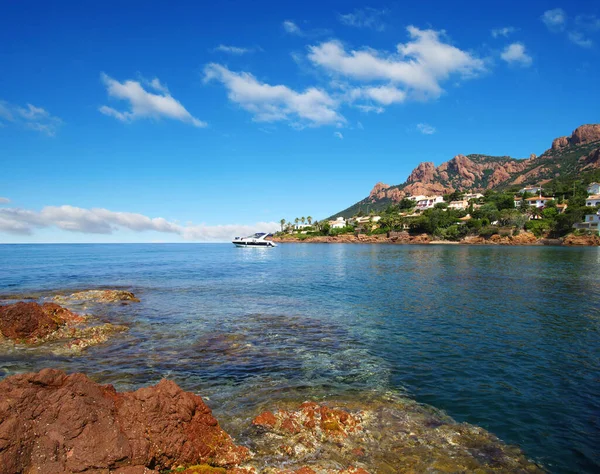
(52, 422)
(32, 322)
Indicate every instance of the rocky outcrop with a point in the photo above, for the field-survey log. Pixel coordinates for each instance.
(591, 161)
(51, 422)
(98, 296)
(580, 240)
(32, 322)
(378, 191)
(68, 332)
(581, 135)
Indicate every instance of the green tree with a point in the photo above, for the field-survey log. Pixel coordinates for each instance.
(303, 219)
(309, 219)
(282, 222)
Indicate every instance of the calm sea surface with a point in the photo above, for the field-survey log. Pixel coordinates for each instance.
(505, 338)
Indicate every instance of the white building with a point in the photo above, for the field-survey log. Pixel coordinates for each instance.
(418, 198)
(538, 201)
(301, 226)
(591, 222)
(593, 200)
(458, 204)
(339, 223)
(531, 189)
(594, 188)
(429, 202)
(468, 197)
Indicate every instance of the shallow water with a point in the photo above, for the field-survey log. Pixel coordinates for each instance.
(504, 338)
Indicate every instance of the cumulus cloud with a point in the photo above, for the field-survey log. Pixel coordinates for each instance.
(338, 135)
(426, 129)
(271, 103)
(236, 50)
(145, 104)
(102, 221)
(555, 19)
(505, 31)
(515, 54)
(364, 18)
(418, 66)
(4, 200)
(30, 116)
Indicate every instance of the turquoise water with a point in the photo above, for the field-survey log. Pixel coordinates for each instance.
(505, 338)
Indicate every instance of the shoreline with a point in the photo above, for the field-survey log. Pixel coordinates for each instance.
(523, 239)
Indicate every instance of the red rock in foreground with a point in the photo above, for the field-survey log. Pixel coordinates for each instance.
(51, 422)
(30, 322)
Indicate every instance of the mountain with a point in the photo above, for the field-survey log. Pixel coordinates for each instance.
(568, 156)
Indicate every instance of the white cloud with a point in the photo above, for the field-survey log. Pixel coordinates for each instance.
(338, 135)
(385, 95)
(30, 116)
(419, 65)
(370, 108)
(233, 49)
(505, 32)
(270, 103)
(144, 104)
(4, 200)
(103, 221)
(365, 18)
(426, 129)
(555, 19)
(580, 39)
(515, 54)
(291, 28)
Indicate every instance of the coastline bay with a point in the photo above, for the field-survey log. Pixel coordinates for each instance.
(503, 338)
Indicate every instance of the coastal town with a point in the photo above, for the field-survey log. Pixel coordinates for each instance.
(456, 216)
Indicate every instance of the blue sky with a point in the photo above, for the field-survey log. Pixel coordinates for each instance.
(182, 121)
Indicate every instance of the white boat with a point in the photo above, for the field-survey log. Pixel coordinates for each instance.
(256, 240)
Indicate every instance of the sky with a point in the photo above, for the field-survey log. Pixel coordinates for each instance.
(200, 121)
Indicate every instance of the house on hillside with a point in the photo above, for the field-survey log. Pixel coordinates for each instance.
(418, 198)
(301, 226)
(591, 222)
(593, 200)
(458, 204)
(429, 202)
(468, 197)
(531, 189)
(538, 201)
(594, 188)
(339, 223)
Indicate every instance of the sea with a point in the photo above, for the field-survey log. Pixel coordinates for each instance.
(506, 338)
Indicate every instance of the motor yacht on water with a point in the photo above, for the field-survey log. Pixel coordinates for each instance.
(256, 240)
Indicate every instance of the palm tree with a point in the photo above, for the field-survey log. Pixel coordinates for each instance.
(296, 220)
(282, 222)
(309, 219)
(303, 219)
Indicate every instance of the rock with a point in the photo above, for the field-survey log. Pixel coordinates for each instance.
(560, 143)
(585, 134)
(98, 296)
(579, 240)
(31, 322)
(378, 191)
(54, 423)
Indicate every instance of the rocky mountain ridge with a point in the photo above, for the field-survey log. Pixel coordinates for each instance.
(568, 155)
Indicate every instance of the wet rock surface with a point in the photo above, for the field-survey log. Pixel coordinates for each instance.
(54, 423)
(98, 296)
(378, 438)
(34, 324)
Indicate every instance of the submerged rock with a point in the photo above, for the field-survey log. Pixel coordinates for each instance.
(32, 322)
(98, 296)
(53, 423)
(378, 438)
